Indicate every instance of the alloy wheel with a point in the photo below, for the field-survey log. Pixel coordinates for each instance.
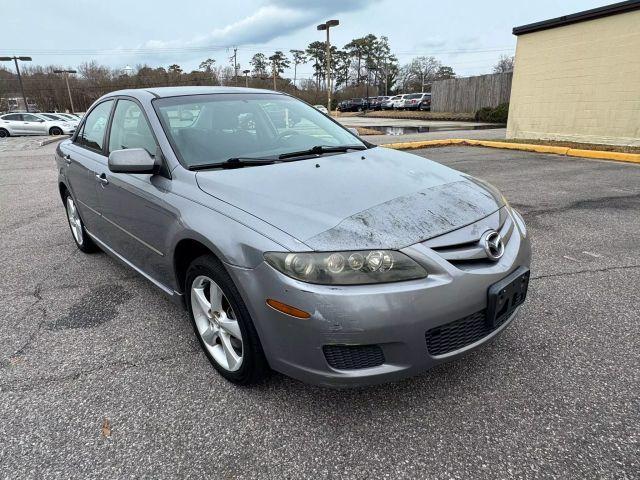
(217, 323)
(74, 220)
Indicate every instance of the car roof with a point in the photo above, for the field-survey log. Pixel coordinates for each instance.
(161, 92)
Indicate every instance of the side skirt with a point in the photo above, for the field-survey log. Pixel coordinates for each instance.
(175, 297)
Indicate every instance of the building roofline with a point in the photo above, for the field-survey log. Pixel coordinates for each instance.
(593, 14)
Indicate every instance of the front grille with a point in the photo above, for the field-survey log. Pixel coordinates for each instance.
(460, 333)
(353, 357)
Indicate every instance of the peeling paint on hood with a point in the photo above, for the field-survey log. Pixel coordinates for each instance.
(378, 198)
(409, 219)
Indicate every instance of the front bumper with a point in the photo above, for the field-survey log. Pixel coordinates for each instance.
(393, 316)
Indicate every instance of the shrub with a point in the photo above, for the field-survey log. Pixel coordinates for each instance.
(493, 115)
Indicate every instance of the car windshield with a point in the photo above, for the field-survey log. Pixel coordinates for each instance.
(210, 129)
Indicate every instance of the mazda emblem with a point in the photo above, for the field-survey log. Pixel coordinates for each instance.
(493, 245)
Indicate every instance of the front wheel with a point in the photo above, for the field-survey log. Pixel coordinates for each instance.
(222, 323)
(55, 131)
(4, 133)
(78, 232)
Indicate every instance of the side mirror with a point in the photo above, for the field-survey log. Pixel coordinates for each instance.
(354, 131)
(133, 160)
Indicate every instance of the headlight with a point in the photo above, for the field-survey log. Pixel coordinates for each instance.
(346, 268)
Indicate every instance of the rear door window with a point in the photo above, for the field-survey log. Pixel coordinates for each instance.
(31, 118)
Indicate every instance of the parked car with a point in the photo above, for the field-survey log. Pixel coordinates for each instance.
(342, 106)
(389, 102)
(370, 103)
(380, 100)
(416, 101)
(321, 108)
(352, 105)
(283, 260)
(70, 116)
(61, 118)
(398, 103)
(14, 124)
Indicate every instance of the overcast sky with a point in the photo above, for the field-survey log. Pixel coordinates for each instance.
(469, 35)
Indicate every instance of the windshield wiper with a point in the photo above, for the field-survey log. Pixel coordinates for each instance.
(235, 162)
(320, 149)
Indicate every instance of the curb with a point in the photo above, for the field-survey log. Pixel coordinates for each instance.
(527, 147)
(54, 139)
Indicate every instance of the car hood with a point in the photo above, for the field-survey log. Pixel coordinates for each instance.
(377, 198)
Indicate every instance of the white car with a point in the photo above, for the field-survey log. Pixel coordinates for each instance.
(416, 101)
(13, 124)
(70, 116)
(398, 101)
(322, 109)
(59, 117)
(388, 103)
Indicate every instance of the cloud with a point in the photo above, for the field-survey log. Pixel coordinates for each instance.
(432, 42)
(273, 19)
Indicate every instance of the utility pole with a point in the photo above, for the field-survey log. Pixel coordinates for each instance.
(234, 57)
(246, 77)
(15, 60)
(326, 26)
(66, 79)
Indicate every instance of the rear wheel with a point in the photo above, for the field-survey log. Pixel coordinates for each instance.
(55, 131)
(222, 323)
(4, 133)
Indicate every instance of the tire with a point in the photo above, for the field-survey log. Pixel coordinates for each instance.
(55, 131)
(217, 331)
(4, 133)
(82, 240)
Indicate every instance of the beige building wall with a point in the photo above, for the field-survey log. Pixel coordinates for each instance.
(579, 82)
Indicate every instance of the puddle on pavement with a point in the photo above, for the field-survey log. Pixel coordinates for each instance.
(388, 130)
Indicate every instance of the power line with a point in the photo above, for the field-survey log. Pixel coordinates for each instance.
(247, 48)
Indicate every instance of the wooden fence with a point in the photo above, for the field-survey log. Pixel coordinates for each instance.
(468, 95)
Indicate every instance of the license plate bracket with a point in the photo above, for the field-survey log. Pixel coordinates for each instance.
(505, 296)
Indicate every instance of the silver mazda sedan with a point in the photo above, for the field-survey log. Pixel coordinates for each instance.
(294, 244)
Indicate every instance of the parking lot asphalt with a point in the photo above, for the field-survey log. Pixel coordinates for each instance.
(101, 376)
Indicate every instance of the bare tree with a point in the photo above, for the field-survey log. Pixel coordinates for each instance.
(505, 64)
(425, 69)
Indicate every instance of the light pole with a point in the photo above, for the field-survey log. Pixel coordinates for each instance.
(326, 26)
(246, 77)
(66, 79)
(15, 60)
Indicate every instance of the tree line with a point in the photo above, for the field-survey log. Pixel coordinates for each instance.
(365, 64)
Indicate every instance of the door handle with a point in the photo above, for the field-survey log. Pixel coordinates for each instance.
(102, 178)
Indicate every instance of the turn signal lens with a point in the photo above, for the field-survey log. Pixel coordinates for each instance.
(288, 309)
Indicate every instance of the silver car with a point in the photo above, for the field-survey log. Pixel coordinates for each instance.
(59, 117)
(15, 124)
(294, 244)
